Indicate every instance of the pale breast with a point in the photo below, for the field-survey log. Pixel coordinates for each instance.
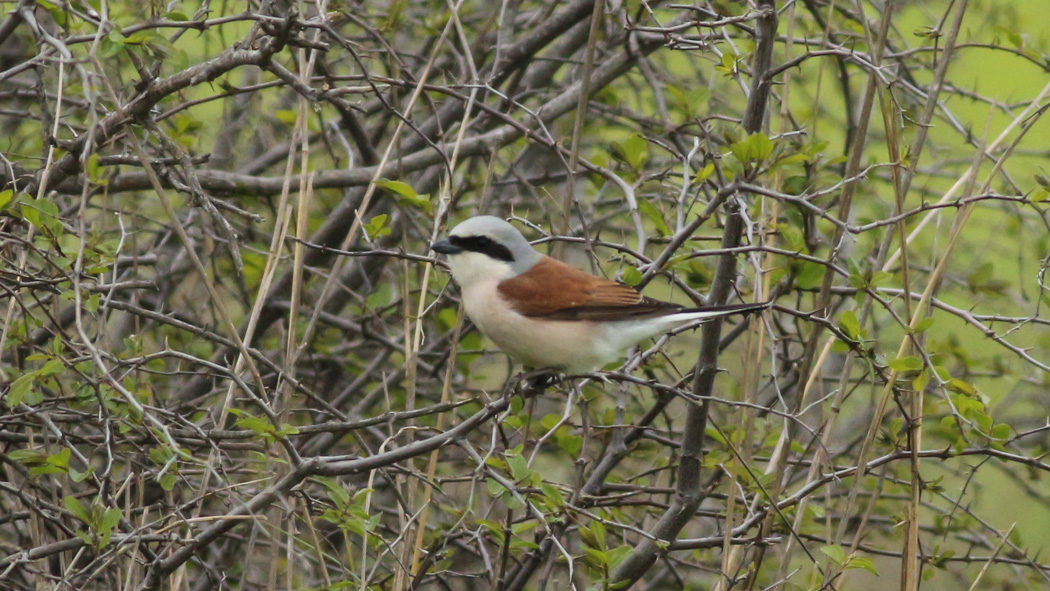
(534, 342)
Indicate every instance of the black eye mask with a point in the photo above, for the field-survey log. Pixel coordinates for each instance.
(483, 245)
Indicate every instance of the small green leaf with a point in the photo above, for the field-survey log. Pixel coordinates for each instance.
(93, 170)
(589, 538)
(879, 278)
(377, 227)
(757, 147)
(111, 45)
(402, 189)
(810, 276)
(407, 196)
(705, 173)
(654, 216)
(632, 276)
(922, 325)
(185, 123)
(519, 467)
(110, 519)
(5, 198)
(77, 509)
(909, 363)
(634, 151)
(60, 459)
(495, 488)
(167, 482)
(259, 425)
(43, 214)
(864, 563)
(51, 368)
(920, 382)
(790, 160)
(286, 116)
(552, 495)
(19, 390)
(286, 430)
(836, 553)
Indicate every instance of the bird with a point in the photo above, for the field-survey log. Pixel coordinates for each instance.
(547, 314)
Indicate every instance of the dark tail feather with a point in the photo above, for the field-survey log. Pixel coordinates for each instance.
(731, 308)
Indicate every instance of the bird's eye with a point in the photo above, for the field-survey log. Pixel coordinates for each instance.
(482, 241)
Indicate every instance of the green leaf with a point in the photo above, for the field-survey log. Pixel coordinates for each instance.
(51, 368)
(921, 381)
(756, 147)
(57, 463)
(168, 481)
(617, 555)
(407, 195)
(93, 170)
(810, 276)
(836, 553)
(19, 390)
(185, 123)
(790, 160)
(654, 216)
(850, 325)
(922, 325)
(111, 45)
(259, 425)
(632, 276)
(590, 537)
(5, 198)
(110, 519)
(43, 214)
(864, 563)
(28, 456)
(60, 459)
(634, 151)
(286, 430)
(398, 187)
(552, 495)
(286, 116)
(879, 278)
(909, 363)
(78, 476)
(377, 227)
(495, 488)
(519, 467)
(77, 509)
(691, 104)
(705, 173)
(549, 421)
(84, 537)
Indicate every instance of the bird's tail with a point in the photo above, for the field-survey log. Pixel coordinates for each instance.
(709, 312)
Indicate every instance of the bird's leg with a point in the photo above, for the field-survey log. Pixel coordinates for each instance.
(530, 383)
(541, 379)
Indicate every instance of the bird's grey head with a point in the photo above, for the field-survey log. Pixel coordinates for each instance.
(486, 247)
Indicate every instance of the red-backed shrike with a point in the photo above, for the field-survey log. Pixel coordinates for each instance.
(545, 313)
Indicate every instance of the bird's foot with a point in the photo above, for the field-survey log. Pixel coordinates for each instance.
(539, 380)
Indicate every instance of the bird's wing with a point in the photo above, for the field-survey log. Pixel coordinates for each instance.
(553, 290)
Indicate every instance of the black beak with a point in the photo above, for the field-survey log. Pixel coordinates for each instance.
(445, 247)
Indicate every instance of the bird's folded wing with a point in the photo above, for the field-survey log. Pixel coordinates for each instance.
(553, 290)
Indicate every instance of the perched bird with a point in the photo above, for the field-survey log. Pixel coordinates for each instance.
(547, 314)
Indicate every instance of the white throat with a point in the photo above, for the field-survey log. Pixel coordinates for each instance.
(470, 268)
